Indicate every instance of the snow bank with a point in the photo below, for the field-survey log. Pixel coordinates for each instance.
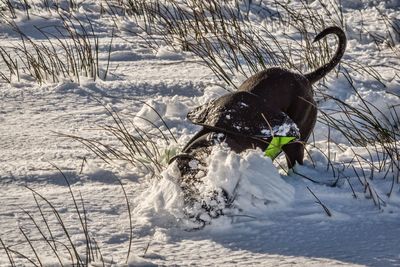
(250, 179)
(166, 108)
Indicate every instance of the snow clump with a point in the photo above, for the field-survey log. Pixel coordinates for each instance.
(251, 181)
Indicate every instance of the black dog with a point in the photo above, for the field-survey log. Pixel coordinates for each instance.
(269, 98)
(273, 102)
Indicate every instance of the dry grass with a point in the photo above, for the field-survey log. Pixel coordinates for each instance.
(70, 50)
(56, 237)
(234, 47)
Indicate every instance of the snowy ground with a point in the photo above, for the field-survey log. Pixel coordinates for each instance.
(292, 230)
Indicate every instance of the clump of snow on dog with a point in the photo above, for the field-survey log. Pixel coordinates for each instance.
(252, 183)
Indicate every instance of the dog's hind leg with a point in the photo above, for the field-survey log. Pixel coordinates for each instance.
(305, 116)
(294, 152)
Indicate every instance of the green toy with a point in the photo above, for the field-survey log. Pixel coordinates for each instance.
(275, 146)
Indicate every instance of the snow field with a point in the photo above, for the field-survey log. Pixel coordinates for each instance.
(274, 220)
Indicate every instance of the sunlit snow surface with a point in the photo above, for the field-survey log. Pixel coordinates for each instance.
(275, 220)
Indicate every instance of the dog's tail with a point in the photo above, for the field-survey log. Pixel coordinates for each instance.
(323, 70)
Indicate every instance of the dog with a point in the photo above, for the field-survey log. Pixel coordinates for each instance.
(275, 91)
(273, 102)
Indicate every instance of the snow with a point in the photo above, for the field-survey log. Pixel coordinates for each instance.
(281, 130)
(252, 179)
(274, 219)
